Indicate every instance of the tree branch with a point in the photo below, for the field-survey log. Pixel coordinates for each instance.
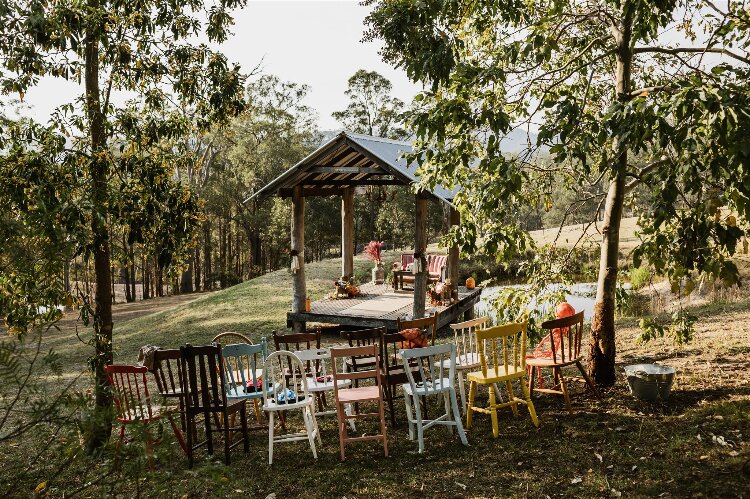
(691, 50)
(645, 171)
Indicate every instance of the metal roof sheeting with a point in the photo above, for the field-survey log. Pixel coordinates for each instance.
(348, 160)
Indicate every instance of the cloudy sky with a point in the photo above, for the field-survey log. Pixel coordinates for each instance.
(313, 42)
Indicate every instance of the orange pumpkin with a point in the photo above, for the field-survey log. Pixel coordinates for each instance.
(470, 283)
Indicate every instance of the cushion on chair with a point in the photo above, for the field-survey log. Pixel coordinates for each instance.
(413, 338)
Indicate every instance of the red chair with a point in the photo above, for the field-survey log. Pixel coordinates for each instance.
(133, 404)
(564, 350)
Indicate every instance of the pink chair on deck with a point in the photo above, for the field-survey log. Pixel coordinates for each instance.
(133, 404)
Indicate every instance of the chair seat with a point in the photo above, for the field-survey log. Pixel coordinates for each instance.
(313, 385)
(496, 374)
(137, 414)
(549, 362)
(241, 395)
(359, 394)
(463, 361)
(427, 388)
(272, 405)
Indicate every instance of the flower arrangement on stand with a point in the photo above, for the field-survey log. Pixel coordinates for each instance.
(346, 287)
(374, 251)
(440, 293)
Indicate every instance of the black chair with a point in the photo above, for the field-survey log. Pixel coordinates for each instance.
(205, 394)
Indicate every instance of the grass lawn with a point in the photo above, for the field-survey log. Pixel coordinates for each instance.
(698, 444)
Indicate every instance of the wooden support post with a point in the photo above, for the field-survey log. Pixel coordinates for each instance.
(420, 247)
(455, 219)
(299, 285)
(347, 232)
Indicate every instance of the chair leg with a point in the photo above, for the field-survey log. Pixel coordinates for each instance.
(529, 404)
(462, 390)
(258, 411)
(209, 434)
(121, 437)
(342, 429)
(190, 432)
(270, 436)
(390, 395)
(493, 413)
(418, 421)
(245, 435)
(532, 375)
(382, 426)
(227, 440)
(409, 416)
(315, 424)
(511, 398)
(589, 381)
(447, 402)
(457, 418)
(564, 387)
(470, 407)
(306, 415)
(178, 434)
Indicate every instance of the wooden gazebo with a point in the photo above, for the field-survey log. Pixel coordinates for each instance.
(337, 168)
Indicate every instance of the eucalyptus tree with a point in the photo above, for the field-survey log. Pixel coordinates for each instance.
(146, 49)
(372, 109)
(603, 81)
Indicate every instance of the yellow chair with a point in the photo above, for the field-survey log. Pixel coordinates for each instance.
(504, 362)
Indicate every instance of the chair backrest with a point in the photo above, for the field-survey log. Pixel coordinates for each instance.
(292, 342)
(430, 363)
(428, 325)
(130, 391)
(565, 337)
(354, 352)
(279, 380)
(436, 263)
(320, 358)
(167, 371)
(231, 338)
(507, 347)
(390, 345)
(241, 361)
(406, 259)
(203, 371)
(363, 337)
(465, 335)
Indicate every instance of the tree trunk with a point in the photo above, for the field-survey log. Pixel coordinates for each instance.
(131, 261)
(207, 278)
(197, 270)
(602, 351)
(222, 254)
(145, 278)
(186, 283)
(101, 426)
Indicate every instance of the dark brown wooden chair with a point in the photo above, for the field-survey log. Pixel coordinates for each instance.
(392, 370)
(205, 394)
(167, 370)
(564, 350)
(428, 325)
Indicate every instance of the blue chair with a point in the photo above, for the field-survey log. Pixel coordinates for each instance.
(244, 365)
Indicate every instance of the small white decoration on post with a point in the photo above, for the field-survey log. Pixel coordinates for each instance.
(295, 262)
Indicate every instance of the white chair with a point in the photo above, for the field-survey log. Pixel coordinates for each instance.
(467, 351)
(283, 385)
(435, 379)
(320, 377)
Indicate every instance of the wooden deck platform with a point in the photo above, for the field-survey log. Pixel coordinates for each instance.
(380, 305)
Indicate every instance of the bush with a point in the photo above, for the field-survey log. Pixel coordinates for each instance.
(639, 277)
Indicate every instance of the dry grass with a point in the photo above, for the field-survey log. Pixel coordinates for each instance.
(647, 450)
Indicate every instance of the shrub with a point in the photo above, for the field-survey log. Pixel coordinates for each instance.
(639, 277)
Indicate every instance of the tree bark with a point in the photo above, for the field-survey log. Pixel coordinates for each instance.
(186, 283)
(420, 248)
(197, 270)
(299, 285)
(207, 278)
(102, 426)
(602, 346)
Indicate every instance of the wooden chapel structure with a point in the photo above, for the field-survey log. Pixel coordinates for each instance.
(337, 168)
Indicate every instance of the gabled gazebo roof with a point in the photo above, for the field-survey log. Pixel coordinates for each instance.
(350, 160)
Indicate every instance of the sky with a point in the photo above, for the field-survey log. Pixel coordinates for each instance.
(316, 42)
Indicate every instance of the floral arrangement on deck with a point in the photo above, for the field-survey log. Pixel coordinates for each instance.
(440, 293)
(374, 251)
(346, 287)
